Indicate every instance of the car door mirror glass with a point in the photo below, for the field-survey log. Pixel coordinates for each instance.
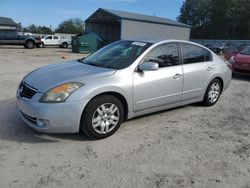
(149, 66)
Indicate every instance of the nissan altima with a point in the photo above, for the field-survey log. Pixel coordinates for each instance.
(120, 81)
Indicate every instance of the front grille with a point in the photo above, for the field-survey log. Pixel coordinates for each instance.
(26, 91)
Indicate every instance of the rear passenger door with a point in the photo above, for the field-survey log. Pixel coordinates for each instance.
(56, 40)
(11, 37)
(198, 69)
(2, 36)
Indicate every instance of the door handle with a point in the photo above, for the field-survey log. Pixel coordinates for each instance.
(176, 76)
(210, 68)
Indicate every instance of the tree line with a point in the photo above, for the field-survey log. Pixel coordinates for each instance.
(217, 19)
(71, 26)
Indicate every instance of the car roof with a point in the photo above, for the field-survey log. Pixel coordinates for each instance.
(155, 41)
(158, 42)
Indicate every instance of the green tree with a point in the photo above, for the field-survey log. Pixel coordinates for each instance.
(72, 26)
(217, 19)
(38, 29)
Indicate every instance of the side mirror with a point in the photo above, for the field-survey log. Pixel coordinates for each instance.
(149, 66)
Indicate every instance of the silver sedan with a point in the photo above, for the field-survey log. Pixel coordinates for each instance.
(120, 81)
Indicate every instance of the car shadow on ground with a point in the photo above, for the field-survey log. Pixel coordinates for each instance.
(244, 77)
(13, 47)
(70, 52)
(12, 128)
(62, 51)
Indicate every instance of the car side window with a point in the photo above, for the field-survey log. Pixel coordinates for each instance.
(165, 55)
(55, 37)
(195, 54)
(207, 54)
(49, 37)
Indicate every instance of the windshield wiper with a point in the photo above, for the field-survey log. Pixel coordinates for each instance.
(86, 62)
(81, 60)
(93, 64)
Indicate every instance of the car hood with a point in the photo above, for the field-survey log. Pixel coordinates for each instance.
(48, 77)
(242, 58)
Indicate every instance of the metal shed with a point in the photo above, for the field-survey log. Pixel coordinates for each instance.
(113, 25)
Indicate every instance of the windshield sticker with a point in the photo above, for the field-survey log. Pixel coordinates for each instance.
(139, 44)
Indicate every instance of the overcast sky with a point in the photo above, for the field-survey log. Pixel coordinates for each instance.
(52, 12)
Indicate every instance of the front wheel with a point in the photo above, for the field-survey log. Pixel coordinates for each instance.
(102, 117)
(213, 92)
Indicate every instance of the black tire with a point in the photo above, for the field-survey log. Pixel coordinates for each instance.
(65, 45)
(29, 44)
(207, 101)
(90, 112)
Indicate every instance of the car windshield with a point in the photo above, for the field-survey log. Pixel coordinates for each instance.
(245, 51)
(118, 55)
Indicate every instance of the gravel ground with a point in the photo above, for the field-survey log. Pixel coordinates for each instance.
(190, 146)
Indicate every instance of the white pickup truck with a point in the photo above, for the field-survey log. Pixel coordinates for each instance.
(55, 40)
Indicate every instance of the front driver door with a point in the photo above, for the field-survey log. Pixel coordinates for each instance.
(48, 40)
(56, 40)
(153, 89)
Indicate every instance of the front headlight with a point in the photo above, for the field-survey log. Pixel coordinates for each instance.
(60, 93)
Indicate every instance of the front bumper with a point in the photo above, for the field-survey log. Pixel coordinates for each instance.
(52, 117)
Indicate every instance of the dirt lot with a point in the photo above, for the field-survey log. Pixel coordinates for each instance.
(190, 146)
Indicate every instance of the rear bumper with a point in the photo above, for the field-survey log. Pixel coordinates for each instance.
(52, 118)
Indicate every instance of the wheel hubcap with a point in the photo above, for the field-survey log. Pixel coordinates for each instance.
(214, 92)
(105, 118)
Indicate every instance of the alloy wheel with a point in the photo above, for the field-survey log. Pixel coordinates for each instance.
(214, 92)
(105, 118)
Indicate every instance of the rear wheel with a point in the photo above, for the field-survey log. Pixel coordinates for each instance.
(29, 44)
(64, 45)
(213, 92)
(102, 117)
